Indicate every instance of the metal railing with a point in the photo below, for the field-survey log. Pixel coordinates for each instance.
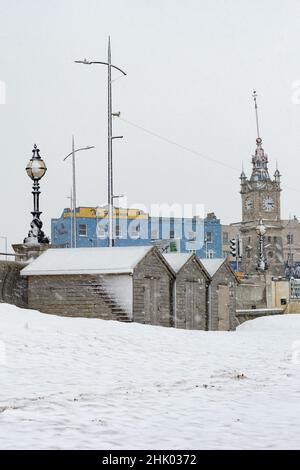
(295, 288)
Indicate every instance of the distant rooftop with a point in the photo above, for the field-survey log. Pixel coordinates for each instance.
(122, 212)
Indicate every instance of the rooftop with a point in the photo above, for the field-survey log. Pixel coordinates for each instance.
(177, 260)
(212, 264)
(116, 260)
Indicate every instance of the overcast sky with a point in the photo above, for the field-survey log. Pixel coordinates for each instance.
(191, 67)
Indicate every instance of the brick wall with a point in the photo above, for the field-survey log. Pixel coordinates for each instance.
(13, 287)
(73, 295)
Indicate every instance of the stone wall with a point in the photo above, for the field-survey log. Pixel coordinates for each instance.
(13, 287)
(293, 306)
(74, 296)
(246, 315)
(251, 293)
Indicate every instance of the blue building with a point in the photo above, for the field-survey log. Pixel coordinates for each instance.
(132, 227)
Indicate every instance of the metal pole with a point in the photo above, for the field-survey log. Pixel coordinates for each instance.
(110, 137)
(256, 112)
(237, 252)
(290, 251)
(71, 218)
(110, 172)
(74, 244)
(73, 205)
(36, 193)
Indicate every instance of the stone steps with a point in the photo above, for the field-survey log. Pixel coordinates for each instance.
(118, 313)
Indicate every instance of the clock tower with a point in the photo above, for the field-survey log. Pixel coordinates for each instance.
(260, 194)
(261, 202)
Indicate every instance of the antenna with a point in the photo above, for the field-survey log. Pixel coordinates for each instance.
(254, 96)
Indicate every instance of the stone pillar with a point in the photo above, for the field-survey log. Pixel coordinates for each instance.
(26, 252)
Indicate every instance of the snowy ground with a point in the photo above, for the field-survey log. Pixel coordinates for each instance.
(81, 383)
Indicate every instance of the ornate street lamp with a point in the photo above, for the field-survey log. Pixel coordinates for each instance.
(36, 168)
(262, 264)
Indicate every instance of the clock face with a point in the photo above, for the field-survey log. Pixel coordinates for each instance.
(249, 203)
(268, 204)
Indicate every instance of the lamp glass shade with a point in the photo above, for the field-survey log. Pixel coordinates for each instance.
(36, 168)
(261, 230)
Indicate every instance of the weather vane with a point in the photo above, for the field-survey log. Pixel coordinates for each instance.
(254, 96)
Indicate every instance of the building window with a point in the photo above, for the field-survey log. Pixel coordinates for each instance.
(225, 237)
(172, 234)
(154, 234)
(135, 231)
(290, 239)
(82, 230)
(208, 237)
(101, 231)
(118, 231)
(192, 236)
(210, 254)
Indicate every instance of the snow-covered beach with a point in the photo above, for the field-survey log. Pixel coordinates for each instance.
(76, 383)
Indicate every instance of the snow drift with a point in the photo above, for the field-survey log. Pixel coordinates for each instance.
(86, 384)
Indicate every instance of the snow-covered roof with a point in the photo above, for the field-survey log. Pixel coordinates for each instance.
(212, 264)
(177, 260)
(116, 260)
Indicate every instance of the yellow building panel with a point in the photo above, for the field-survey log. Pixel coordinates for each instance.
(120, 213)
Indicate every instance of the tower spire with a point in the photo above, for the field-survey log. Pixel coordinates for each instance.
(243, 176)
(260, 159)
(254, 96)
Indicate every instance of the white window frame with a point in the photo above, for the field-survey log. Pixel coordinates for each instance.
(86, 230)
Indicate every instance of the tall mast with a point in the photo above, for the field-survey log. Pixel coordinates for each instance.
(256, 112)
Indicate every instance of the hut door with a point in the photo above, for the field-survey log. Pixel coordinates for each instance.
(223, 308)
(150, 300)
(190, 304)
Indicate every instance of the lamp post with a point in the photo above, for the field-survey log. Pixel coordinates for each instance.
(71, 228)
(110, 137)
(262, 264)
(74, 230)
(290, 257)
(36, 168)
